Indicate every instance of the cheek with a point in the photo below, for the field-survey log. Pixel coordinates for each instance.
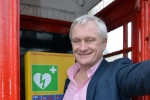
(99, 49)
(74, 48)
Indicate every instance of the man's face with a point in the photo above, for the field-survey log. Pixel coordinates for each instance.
(87, 44)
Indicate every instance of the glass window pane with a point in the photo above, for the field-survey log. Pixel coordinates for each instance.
(115, 40)
(129, 55)
(112, 58)
(129, 34)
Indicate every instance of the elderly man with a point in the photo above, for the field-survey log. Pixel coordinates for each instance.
(92, 77)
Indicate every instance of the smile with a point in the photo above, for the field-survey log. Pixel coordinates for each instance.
(85, 54)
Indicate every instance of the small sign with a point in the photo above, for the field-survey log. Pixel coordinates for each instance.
(44, 78)
(36, 97)
(48, 97)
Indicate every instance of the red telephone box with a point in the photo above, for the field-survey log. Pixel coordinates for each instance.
(120, 12)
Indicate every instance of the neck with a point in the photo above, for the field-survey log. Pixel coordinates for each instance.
(83, 73)
(84, 68)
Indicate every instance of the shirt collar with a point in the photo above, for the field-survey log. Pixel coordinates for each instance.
(73, 69)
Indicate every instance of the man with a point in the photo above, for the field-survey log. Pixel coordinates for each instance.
(92, 77)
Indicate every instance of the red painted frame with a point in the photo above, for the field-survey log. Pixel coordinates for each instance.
(9, 50)
(119, 13)
(44, 24)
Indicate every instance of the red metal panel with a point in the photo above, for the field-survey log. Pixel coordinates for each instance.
(117, 13)
(44, 24)
(9, 50)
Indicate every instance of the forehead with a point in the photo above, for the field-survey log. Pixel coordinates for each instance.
(88, 25)
(88, 29)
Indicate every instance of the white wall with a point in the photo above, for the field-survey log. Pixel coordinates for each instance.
(89, 4)
(71, 6)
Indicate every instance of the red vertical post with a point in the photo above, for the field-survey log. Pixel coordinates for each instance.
(125, 39)
(9, 50)
(149, 16)
(141, 30)
(144, 29)
(148, 25)
(135, 41)
(147, 34)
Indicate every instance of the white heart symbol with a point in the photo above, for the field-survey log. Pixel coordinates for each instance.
(43, 81)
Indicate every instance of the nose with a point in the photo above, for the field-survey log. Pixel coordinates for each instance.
(83, 46)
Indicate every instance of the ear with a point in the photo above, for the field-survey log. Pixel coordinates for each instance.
(105, 44)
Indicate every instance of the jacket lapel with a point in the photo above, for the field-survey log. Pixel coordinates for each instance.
(98, 73)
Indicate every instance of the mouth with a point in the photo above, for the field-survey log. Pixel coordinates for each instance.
(84, 54)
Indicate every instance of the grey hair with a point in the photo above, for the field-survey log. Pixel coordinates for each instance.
(85, 18)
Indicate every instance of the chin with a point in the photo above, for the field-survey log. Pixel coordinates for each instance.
(85, 63)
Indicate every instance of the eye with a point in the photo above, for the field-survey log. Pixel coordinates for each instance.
(75, 41)
(90, 40)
